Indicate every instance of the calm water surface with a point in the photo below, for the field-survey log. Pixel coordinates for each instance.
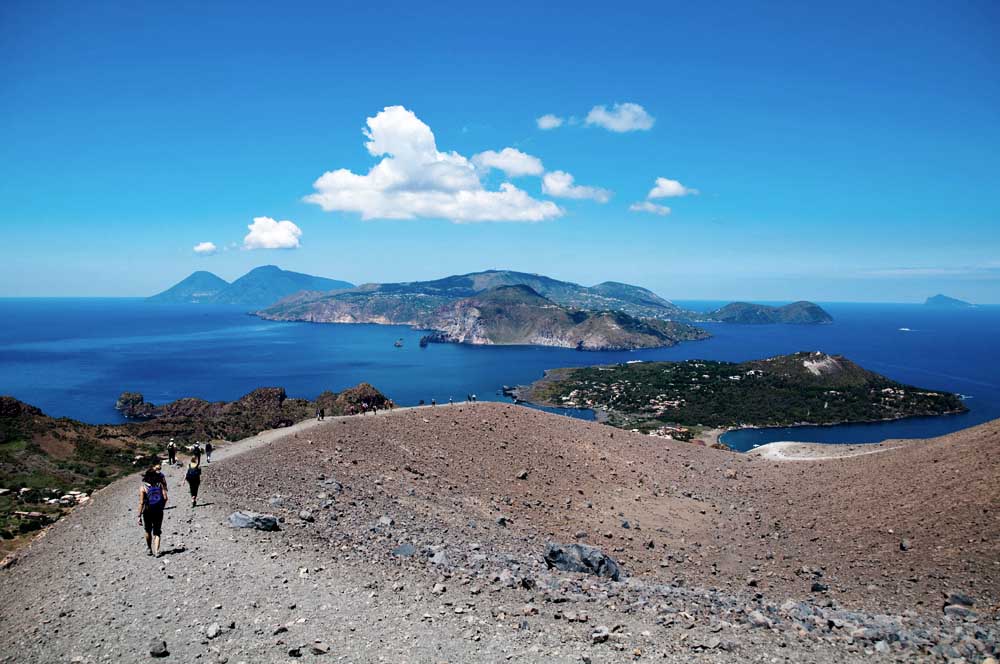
(72, 357)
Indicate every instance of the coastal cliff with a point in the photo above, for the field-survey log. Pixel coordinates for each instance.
(519, 315)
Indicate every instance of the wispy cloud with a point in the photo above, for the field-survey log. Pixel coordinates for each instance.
(663, 188)
(560, 184)
(621, 118)
(984, 271)
(511, 161)
(549, 121)
(650, 207)
(666, 188)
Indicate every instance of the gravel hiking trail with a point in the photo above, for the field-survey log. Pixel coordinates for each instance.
(417, 536)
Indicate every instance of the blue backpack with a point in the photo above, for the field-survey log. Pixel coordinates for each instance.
(154, 495)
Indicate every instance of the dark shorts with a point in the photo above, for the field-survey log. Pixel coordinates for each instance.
(152, 520)
(194, 486)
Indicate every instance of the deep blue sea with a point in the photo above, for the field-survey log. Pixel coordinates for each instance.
(72, 357)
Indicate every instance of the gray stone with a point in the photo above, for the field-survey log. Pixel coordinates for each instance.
(307, 516)
(405, 550)
(440, 558)
(581, 558)
(758, 619)
(213, 630)
(158, 648)
(386, 521)
(959, 598)
(253, 520)
(600, 635)
(905, 544)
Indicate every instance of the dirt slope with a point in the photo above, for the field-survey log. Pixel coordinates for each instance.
(353, 489)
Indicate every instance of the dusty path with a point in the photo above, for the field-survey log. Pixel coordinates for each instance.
(95, 596)
(86, 591)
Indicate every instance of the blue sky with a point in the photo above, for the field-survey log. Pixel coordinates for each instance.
(842, 153)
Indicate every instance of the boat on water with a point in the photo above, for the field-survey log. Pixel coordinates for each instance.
(399, 343)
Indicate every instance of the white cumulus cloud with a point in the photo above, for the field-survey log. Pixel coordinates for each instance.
(666, 188)
(266, 233)
(205, 248)
(652, 208)
(512, 162)
(560, 184)
(621, 117)
(549, 121)
(413, 179)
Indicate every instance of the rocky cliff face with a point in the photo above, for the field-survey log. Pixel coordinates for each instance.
(517, 315)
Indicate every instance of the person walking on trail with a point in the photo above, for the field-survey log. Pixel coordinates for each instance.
(193, 478)
(208, 452)
(171, 452)
(196, 452)
(152, 500)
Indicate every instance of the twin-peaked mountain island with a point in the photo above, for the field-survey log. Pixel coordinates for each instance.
(490, 307)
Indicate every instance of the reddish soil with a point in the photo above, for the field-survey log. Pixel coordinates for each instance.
(446, 474)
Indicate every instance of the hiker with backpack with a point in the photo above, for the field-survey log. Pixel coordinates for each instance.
(152, 500)
(193, 478)
(196, 452)
(208, 452)
(172, 452)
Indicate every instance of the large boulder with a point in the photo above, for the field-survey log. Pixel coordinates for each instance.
(253, 520)
(581, 558)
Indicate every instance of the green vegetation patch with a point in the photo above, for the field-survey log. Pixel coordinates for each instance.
(804, 388)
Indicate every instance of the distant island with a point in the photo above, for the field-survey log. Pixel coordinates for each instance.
(802, 388)
(796, 313)
(257, 288)
(610, 315)
(474, 308)
(945, 302)
(510, 315)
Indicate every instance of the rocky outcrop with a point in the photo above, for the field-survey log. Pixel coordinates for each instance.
(254, 520)
(581, 558)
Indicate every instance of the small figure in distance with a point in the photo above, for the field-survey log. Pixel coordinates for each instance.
(171, 452)
(450, 402)
(322, 414)
(196, 452)
(433, 402)
(208, 452)
(193, 477)
(152, 500)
